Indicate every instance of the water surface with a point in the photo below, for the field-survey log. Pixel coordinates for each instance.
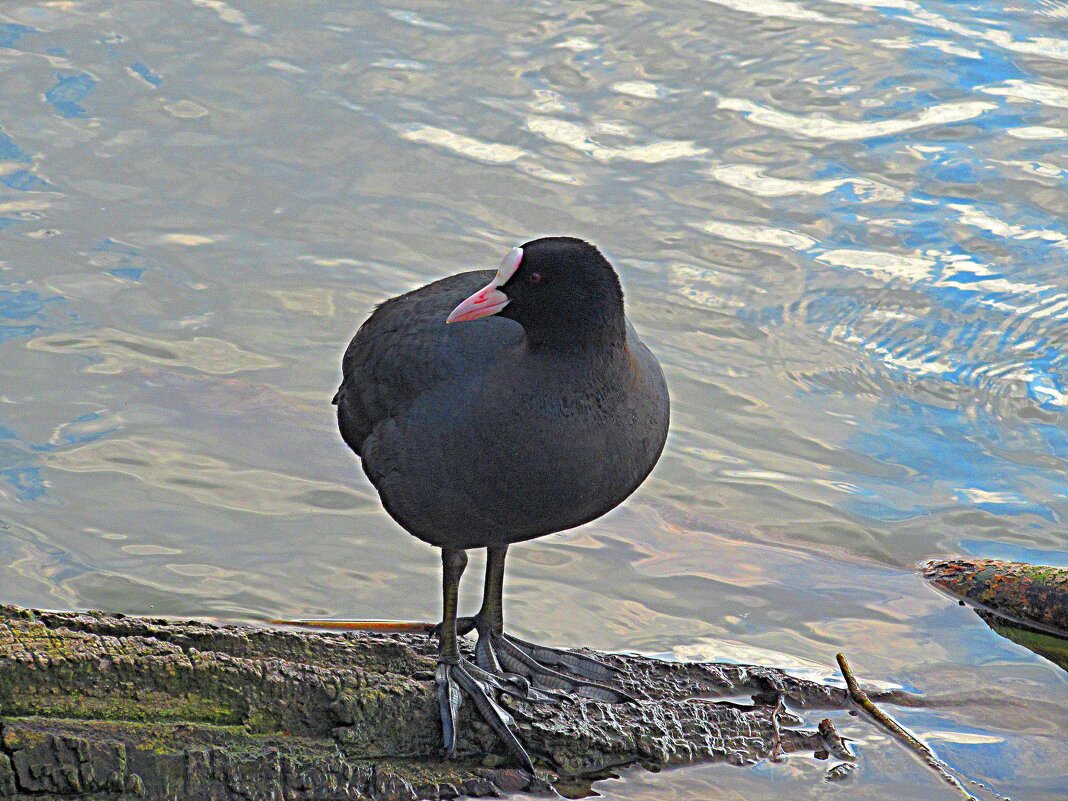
(840, 225)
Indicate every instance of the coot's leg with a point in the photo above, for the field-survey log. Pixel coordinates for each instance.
(456, 677)
(555, 672)
(492, 611)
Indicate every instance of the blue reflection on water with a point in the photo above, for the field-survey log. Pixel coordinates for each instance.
(9, 151)
(992, 322)
(22, 305)
(20, 458)
(69, 92)
(20, 179)
(27, 482)
(11, 33)
(1014, 553)
(952, 450)
(146, 72)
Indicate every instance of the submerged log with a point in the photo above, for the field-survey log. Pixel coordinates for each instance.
(105, 706)
(1025, 603)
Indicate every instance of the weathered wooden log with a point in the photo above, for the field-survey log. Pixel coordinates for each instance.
(1028, 604)
(103, 706)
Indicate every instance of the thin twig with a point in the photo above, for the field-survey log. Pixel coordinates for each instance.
(777, 752)
(359, 625)
(899, 731)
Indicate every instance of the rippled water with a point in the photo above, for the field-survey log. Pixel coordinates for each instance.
(841, 225)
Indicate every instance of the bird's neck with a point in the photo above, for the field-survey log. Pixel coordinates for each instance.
(604, 338)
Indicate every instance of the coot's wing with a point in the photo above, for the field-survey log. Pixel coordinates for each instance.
(405, 349)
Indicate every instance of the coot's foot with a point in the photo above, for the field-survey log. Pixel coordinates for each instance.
(552, 673)
(463, 678)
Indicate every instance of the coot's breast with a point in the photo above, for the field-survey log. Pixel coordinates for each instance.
(522, 448)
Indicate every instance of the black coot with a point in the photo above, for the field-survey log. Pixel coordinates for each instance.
(544, 414)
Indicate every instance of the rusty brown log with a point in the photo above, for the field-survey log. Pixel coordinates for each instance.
(1026, 603)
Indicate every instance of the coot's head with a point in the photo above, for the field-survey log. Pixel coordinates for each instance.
(559, 288)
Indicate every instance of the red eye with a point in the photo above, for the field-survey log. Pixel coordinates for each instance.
(534, 278)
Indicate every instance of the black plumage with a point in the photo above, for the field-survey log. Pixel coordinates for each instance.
(536, 417)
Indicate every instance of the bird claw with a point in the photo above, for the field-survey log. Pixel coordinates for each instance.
(449, 701)
(580, 665)
(456, 680)
(523, 670)
(549, 673)
(571, 661)
(577, 674)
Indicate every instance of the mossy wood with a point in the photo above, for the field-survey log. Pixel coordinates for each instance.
(105, 706)
(1026, 603)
